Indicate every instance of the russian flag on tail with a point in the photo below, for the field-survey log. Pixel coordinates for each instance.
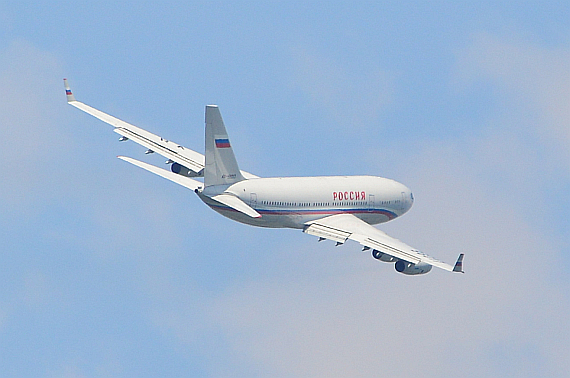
(222, 143)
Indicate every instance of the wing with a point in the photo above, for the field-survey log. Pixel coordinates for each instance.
(341, 227)
(190, 159)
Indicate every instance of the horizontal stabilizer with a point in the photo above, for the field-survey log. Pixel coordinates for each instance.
(181, 180)
(236, 204)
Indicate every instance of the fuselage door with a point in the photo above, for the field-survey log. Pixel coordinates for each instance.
(370, 202)
(253, 200)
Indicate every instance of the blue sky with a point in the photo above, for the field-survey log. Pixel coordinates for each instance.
(110, 271)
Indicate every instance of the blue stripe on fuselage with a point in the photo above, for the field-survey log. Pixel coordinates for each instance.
(325, 212)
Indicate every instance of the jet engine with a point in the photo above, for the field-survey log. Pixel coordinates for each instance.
(183, 171)
(382, 256)
(412, 269)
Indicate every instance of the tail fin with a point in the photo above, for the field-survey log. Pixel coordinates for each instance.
(221, 165)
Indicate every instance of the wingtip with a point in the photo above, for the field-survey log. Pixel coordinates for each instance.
(459, 264)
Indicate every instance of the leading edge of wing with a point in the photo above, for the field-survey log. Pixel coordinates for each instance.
(346, 226)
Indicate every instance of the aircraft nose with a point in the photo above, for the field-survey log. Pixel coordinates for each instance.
(408, 198)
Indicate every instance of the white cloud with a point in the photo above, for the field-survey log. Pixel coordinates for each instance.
(349, 95)
(47, 151)
(30, 134)
(532, 80)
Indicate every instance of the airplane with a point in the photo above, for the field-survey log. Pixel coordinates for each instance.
(337, 208)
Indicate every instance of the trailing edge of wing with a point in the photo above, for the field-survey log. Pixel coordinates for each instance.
(181, 180)
(236, 204)
(346, 226)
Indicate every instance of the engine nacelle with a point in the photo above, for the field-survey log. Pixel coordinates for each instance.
(382, 256)
(412, 269)
(179, 169)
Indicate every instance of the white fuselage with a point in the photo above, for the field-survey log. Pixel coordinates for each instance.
(292, 201)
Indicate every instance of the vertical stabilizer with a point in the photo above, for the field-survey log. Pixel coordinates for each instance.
(221, 165)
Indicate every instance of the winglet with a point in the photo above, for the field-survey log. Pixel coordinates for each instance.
(68, 93)
(459, 264)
